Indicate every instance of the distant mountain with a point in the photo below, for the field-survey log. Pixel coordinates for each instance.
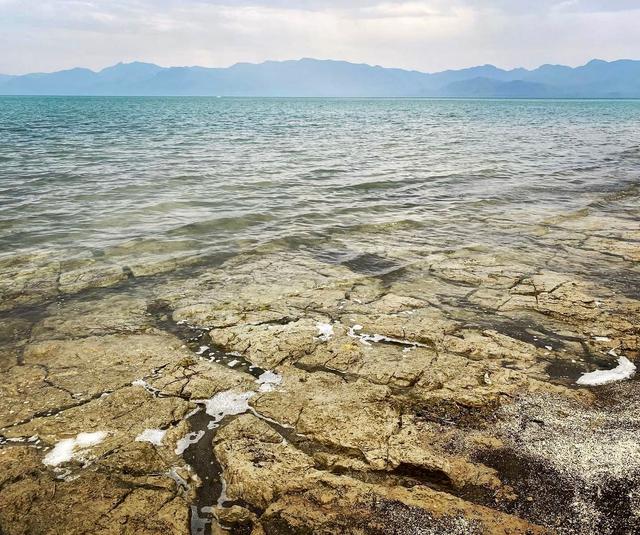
(328, 78)
(489, 87)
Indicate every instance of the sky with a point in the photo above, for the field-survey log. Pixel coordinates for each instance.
(428, 35)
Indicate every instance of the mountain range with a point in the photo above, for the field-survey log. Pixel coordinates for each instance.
(328, 78)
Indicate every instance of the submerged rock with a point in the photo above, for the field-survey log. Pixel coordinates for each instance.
(405, 391)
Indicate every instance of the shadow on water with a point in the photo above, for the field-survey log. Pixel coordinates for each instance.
(360, 263)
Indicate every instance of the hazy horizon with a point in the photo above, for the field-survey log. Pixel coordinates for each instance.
(428, 36)
(318, 78)
(338, 60)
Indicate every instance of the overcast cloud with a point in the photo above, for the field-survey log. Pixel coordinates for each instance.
(429, 35)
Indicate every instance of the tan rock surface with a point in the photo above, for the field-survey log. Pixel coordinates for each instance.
(264, 470)
(389, 389)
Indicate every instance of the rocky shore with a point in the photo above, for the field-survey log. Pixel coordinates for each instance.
(399, 391)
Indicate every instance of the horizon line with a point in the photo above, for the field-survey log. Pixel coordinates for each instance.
(363, 97)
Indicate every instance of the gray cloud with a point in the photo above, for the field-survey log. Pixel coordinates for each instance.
(426, 35)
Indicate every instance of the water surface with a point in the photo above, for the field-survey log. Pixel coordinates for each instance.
(158, 178)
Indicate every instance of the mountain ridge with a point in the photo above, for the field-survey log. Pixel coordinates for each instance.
(309, 77)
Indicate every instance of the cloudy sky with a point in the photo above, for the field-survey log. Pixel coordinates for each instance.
(428, 35)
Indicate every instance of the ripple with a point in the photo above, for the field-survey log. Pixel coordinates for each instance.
(133, 177)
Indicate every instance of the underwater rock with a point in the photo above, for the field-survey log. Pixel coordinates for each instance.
(406, 391)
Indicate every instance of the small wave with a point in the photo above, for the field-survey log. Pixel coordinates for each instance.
(630, 153)
(625, 192)
(227, 224)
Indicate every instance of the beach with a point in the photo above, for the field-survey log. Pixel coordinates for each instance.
(252, 334)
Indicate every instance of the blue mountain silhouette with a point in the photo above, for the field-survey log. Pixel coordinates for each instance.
(328, 78)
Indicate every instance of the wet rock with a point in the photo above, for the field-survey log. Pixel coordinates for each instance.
(249, 282)
(272, 476)
(122, 416)
(115, 314)
(200, 380)
(25, 392)
(98, 364)
(35, 502)
(59, 374)
(358, 417)
(413, 391)
(28, 279)
(493, 346)
(122, 479)
(392, 364)
(440, 454)
(426, 326)
(476, 268)
(90, 276)
(14, 334)
(269, 345)
(248, 445)
(627, 250)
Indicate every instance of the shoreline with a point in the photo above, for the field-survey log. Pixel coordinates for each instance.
(421, 391)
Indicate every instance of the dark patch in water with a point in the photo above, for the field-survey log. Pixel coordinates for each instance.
(200, 455)
(393, 275)
(565, 369)
(624, 281)
(202, 460)
(331, 256)
(361, 263)
(196, 338)
(369, 264)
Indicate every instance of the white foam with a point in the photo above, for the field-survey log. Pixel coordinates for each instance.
(228, 403)
(182, 482)
(202, 350)
(368, 339)
(267, 419)
(624, 370)
(187, 440)
(325, 331)
(233, 363)
(65, 450)
(223, 493)
(154, 436)
(86, 440)
(268, 381)
(61, 453)
(146, 386)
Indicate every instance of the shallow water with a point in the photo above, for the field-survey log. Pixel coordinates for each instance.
(124, 179)
(446, 252)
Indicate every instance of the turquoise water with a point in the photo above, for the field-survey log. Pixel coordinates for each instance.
(168, 177)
